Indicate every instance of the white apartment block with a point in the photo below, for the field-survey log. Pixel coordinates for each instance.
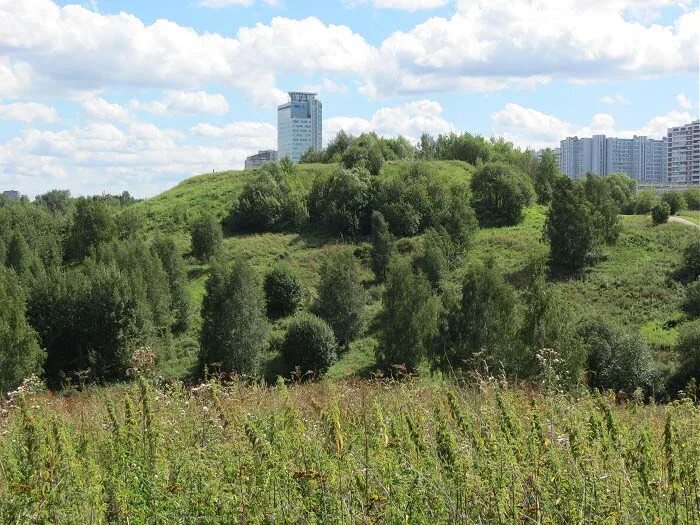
(683, 156)
(299, 126)
(640, 157)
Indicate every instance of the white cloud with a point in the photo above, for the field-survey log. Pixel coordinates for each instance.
(409, 120)
(326, 86)
(493, 44)
(404, 5)
(99, 109)
(527, 127)
(185, 103)
(215, 4)
(684, 101)
(28, 112)
(614, 99)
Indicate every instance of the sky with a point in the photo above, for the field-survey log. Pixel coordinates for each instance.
(105, 95)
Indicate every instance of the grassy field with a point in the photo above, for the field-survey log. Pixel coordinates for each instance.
(691, 215)
(345, 452)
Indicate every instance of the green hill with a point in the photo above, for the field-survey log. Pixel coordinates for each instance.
(631, 286)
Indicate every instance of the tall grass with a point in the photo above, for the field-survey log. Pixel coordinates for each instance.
(349, 452)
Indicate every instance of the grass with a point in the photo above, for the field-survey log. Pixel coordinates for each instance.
(691, 215)
(345, 452)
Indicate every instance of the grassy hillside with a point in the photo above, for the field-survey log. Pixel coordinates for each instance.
(633, 286)
(345, 452)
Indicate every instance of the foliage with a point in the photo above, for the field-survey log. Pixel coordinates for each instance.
(660, 213)
(309, 344)
(382, 246)
(688, 349)
(343, 202)
(569, 227)
(341, 297)
(692, 198)
(616, 360)
(408, 320)
(436, 261)
(547, 172)
(207, 236)
(92, 224)
(465, 147)
(364, 153)
(174, 267)
(691, 303)
(645, 201)
(283, 291)
(20, 353)
(499, 195)
(604, 209)
(675, 201)
(691, 259)
(234, 328)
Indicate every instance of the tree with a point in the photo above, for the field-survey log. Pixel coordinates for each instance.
(481, 322)
(172, 262)
(283, 291)
(499, 195)
(234, 327)
(341, 297)
(645, 201)
(545, 175)
(435, 259)
(309, 344)
(345, 202)
(92, 224)
(569, 227)
(660, 213)
(691, 260)
(622, 189)
(604, 209)
(20, 257)
(382, 246)
(616, 360)
(207, 237)
(692, 198)
(20, 353)
(675, 201)
(56, 201)
(365, 152)
(688, 349)
(691, 303)
(408, 320)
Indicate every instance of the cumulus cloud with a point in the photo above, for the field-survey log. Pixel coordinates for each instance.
(28, 112)
(527, 127)
(404, 5)
(614, 99)
(98, 108)
(215, 4)
(684, 101)
(409, 120)
(184, 103)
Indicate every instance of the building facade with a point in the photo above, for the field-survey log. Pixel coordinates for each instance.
(299, 126)
(640, 158)
(11, 194)
(260, 158)
(683, 156)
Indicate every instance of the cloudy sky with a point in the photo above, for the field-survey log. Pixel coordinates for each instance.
(107, 95)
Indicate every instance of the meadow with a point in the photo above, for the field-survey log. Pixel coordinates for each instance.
(346, 452)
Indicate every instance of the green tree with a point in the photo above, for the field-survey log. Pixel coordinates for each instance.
(645, 201)
(207, 237)
(604, 209)
(56, 201)
(174, 267)
(691, 260)
(345, 207)
(481, 323)
(382, 246)
(341, 296)
(569, 227)
(365, 152)
(309, 344)
(234, 327)
(691, 303)
(93, 224)
(547, 172)
(692, 198)
(20, 257)
(435, 260)
(408, 320)
(20, 353)
(499, 195)
(283, 291)
(675, 201)
(660, 213)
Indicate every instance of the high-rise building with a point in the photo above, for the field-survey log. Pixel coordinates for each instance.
(683, 155)
(11, 194)
(260, 158)
(640, 157)
(299, 126)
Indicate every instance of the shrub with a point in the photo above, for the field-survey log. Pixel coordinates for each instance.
(234, 328)
(660, 213)
(283, 291)
(435, 259)
(691, 303)
(688, 349)
(365, 152)
(675, 201)
(691, 260)
(408, 320)
(382, 246)
(616, 360)
(692, 198)
(341, 297)
(309, 344)
(207, 237)
(343, 202)
(645, 201)
(499, 195)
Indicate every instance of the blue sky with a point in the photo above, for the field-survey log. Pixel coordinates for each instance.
(109, 95)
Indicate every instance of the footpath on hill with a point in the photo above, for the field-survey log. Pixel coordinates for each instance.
(681, 220)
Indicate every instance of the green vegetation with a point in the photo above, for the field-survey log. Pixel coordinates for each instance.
(660, 213)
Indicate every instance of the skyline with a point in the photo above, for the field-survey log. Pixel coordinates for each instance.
(111, 96)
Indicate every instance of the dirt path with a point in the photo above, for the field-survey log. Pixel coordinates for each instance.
(681, 220)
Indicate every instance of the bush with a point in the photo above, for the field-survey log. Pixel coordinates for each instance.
(207, 237)
(309, 344)
(382, 246)
(283, 291)
(688, 349)
(499, 195)
(365, 152)
(675, 201)
(692, 198)
(645, 201)
(691, 260)
(343, 202)
(660, 213)
(616, 360)
(435, 259)
(691, 303)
